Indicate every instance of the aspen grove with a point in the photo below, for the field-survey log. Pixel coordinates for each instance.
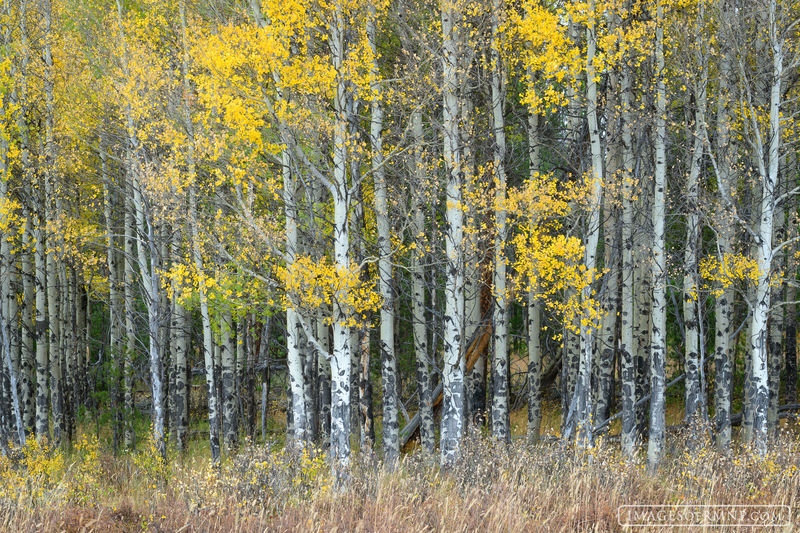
(362, 227)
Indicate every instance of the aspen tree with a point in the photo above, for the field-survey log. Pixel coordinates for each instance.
(768, 164)
(52, 212)
(655, 443)
(500, 396)
(213, 415)
(628, 432)
(691, 300)
(723, 304)
(534, 306)
(453, 371)
(387, 334)
(421, 349)
(583, 388)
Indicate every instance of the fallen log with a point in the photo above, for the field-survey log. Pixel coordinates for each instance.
(784, 411)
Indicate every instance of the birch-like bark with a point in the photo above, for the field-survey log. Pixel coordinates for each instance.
(607, 343)
(180, 348)
(453, 371)
(208, 347)
(81, 346)
(241, 375)
(229, 412)
(776, 327)
(474, 256)
(583, 387)
(341, 356)
(569, 370)
(54, 318)
(29, 239)
(294, 357)
(13, 317)
(8, 300)
(790, 348)
(643, 294)
(391, 427)
(500, 362)
(299, 415)
(324, 383)
(148, 259)
(534, 304)
(626, 348)
(421, 351)
(42, 326)
(132, 251)
(606, 350)
(5, 346)
(28, 326)
(115, 307)
(763, 244)
(655, 443)
(130, 309)
(723, 305)
(163, 246)
(692, 369)
(67, 342)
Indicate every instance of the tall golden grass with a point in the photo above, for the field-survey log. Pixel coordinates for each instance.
(550, 488)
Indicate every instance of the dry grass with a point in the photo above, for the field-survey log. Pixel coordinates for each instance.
(492, 488)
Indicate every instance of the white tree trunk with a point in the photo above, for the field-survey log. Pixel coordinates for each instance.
(40, 258)
(180, 348)
(28, 326)
(148, 273)
(453, 371)
(420, 330)
(391, 426)
(51, 203)
(534, 304)
(130, 309)
(655, 443)
(763, 248)
(5, 346)
(8, 300)
(229, 411)
(693, 397)
(500, 408)
(197, 260)
(28, 237)
(723, 305)
(583, 387)
(341, 356)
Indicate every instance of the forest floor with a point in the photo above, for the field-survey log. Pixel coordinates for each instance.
(549, 487)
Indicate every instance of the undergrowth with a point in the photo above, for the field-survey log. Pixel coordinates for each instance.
(492, 487)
